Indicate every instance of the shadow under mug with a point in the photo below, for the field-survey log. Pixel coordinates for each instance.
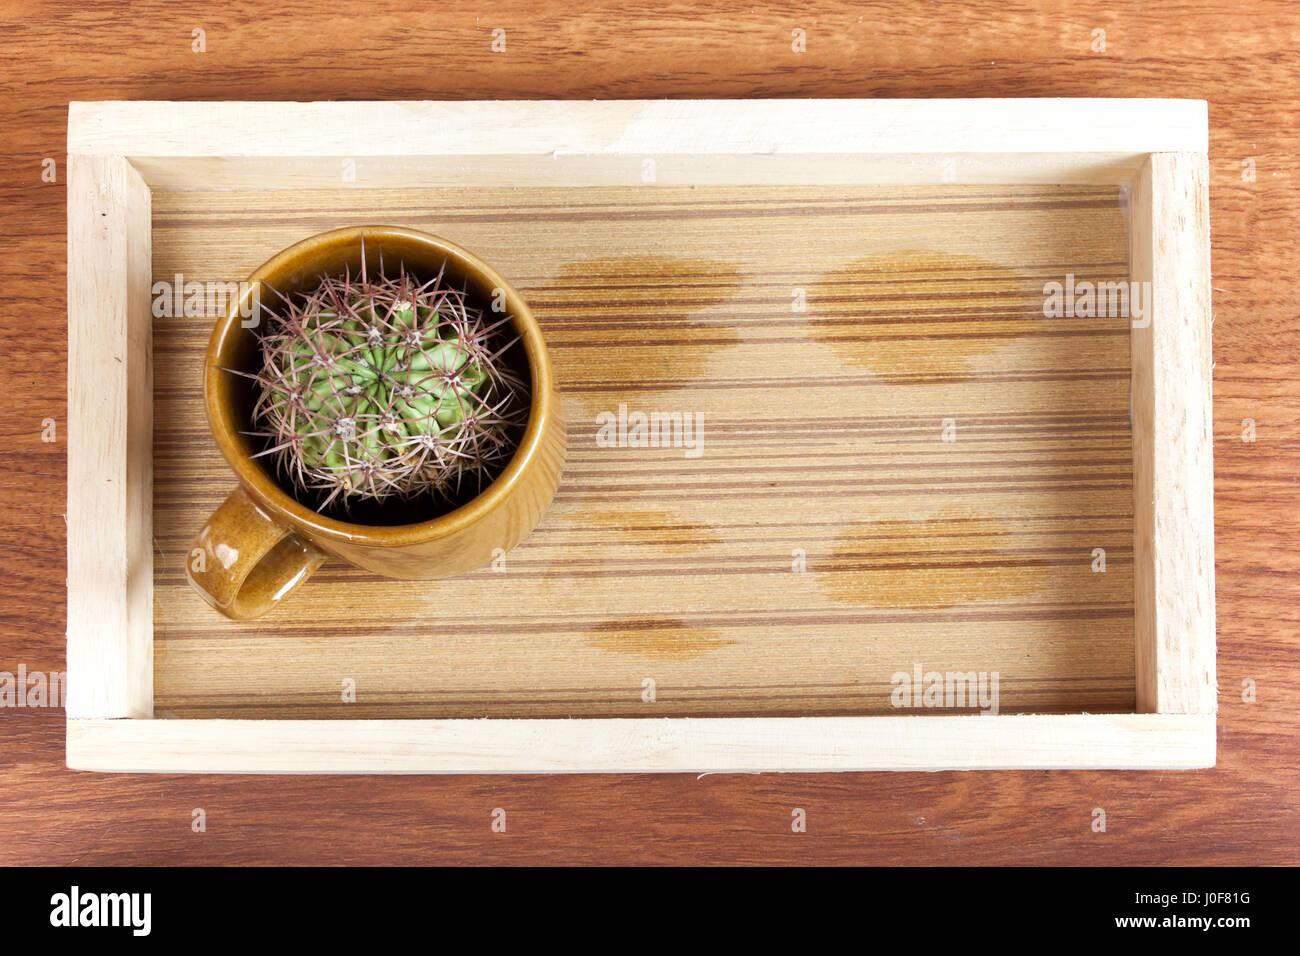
(261, 543)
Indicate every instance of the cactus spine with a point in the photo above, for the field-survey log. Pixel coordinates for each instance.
(386, 387)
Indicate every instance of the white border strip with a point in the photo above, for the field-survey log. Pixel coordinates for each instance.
(620, 745)
(638, 127)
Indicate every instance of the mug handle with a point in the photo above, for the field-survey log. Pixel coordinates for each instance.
(244, 562)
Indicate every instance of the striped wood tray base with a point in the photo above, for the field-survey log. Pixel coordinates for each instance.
(822, 446)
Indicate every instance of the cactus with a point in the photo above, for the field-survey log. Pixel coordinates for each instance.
(371, 389)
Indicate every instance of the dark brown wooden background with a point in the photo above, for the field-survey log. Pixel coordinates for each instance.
(1240, 56)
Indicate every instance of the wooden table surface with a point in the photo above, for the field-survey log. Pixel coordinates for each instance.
(1242, 58)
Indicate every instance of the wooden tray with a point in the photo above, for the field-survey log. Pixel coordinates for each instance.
(905, 467)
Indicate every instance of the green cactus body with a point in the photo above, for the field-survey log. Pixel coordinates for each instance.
(371, 389)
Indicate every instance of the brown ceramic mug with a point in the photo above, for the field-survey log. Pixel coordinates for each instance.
(261, 543)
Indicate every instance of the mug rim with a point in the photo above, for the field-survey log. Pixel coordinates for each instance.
(268, 493)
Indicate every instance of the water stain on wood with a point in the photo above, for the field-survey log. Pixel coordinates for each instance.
(955, 557)
(657, 528)
(619, 541)
(917, 311)
(663, 639)
(634, 324)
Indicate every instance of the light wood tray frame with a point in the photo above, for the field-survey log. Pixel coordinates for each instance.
(120, 151)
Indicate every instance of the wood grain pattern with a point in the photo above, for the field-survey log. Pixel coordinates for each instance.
(618, 128)
(1241, 57)
(824, 336)
(1173, 491)
(694, 142)
(911, 743)
(110, 567)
